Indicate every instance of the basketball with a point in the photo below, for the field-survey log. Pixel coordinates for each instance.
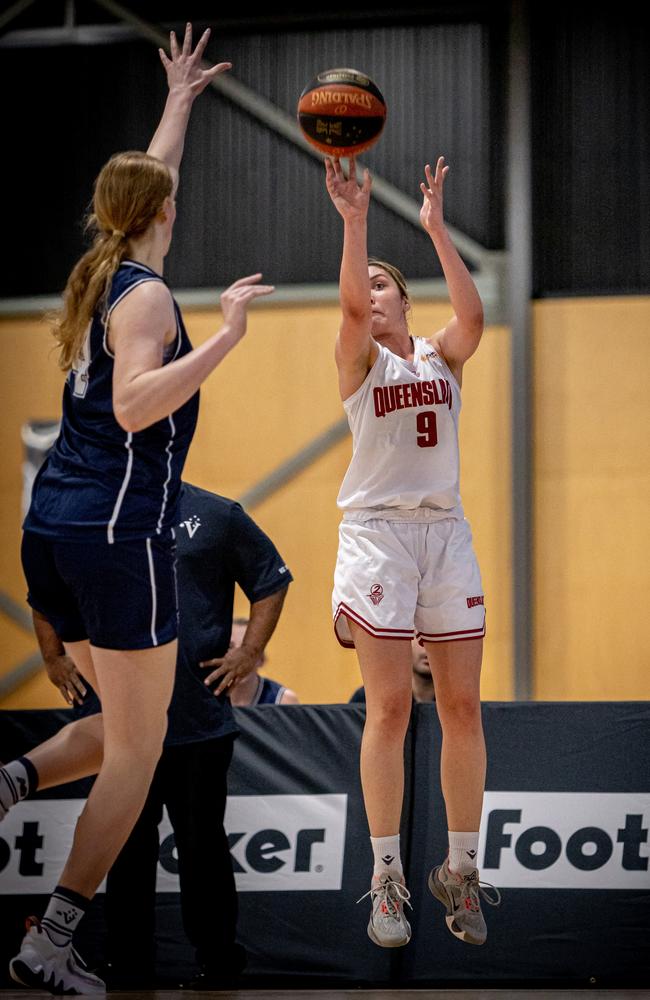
(341, 112)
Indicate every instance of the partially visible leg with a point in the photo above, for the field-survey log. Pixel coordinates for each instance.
(386, 671)
(81, 654)
(135, 688)
(76, 751)
(130, 901)
(456, 670)
(195, 788)
(45, 958)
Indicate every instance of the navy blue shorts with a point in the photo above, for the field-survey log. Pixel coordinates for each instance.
(120, 596)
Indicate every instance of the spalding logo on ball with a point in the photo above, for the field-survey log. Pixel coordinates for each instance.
(341, 112)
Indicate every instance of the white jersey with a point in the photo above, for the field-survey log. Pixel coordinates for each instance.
(404, 423)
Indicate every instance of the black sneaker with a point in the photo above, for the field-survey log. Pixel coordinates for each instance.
(123, 977)
(211, 978)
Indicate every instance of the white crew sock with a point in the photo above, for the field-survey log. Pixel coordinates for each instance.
(463, 852)
(17, 780)
(61, 918)
(386, 855)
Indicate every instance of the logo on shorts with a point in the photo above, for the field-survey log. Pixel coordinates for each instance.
(473, 601)
(376, 593)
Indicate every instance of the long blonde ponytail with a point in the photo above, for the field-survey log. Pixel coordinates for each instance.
(129, 193)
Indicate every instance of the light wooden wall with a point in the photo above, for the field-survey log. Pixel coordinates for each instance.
(275, 393)
(278, 390)
(269, 398)
(592, 499)
(30, 389)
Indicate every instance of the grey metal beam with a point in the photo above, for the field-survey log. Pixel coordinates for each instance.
(81, 34)
(14, 678)
(293, 466)
(519, 232)
(20, 675)
(13, 11)
(490, 284)
(18, 613)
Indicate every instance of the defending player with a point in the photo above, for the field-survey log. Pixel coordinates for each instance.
(405, 562)
(98, 547)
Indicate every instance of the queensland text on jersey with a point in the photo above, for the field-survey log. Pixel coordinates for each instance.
(101, 481)
(404, 423)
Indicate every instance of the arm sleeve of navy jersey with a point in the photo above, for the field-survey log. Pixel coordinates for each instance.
(258, 567)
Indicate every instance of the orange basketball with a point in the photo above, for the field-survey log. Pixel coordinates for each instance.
(341, 112)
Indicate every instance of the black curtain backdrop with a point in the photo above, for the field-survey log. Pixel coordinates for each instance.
(250, 200)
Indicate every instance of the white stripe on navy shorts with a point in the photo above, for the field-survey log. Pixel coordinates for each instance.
(119, 596)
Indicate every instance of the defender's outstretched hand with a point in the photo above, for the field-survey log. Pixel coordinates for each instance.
(236, 299)
(184, 69)
(350, 200)
(431, 212)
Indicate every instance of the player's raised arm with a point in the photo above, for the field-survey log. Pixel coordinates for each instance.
(145, 390)
(355, 349)
(461, 336)
(186, 79)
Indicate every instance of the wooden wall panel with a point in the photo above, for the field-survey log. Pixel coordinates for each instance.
(269, 398)
(592, 499)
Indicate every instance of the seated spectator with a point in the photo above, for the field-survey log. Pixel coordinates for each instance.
(421, 679)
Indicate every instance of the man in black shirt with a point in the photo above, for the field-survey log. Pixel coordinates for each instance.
(218, 545)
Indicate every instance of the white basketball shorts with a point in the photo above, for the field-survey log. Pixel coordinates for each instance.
(400, 579)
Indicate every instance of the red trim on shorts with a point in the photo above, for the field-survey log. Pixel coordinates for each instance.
(342, 642)
(372, 630)
(462, 634)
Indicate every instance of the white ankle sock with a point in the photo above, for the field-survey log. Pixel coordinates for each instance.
(17, 780)
(61, 918)
(386, 854)
(463, 851)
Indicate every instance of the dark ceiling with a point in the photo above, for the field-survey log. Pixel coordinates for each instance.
(50, 14)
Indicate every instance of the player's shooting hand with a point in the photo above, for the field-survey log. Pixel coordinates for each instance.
(65, 676)
(431, 211)
(227, 671)
(185, 70)
(350, 200)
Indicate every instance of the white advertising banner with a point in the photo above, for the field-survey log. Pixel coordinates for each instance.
(566, 840)
(277, 842)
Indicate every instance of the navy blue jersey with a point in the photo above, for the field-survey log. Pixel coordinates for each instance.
(268, 692)
(217, 546)
(100, 481)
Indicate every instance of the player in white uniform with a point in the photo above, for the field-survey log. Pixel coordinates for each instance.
(405, 564)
